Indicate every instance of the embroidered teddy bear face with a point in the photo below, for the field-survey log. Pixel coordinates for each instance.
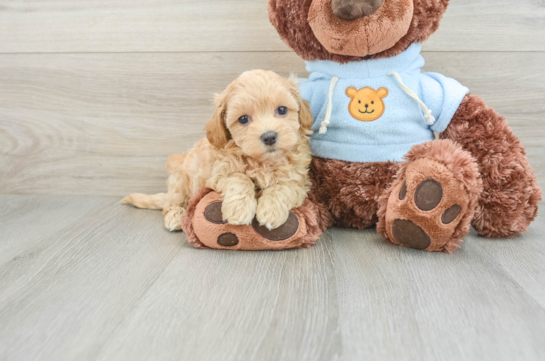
(366, 104)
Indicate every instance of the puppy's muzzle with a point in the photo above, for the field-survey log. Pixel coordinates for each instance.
(269, 138)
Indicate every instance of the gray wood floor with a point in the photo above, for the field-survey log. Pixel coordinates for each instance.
(84, 278)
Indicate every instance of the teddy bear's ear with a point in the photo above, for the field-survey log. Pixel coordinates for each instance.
(216, 130)
(382, 92)
(351, 92)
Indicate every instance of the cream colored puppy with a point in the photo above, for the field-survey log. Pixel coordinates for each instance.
(256, 154)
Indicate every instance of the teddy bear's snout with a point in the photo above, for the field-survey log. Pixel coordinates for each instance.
(354, 9)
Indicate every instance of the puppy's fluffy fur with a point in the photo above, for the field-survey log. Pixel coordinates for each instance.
(255, 179)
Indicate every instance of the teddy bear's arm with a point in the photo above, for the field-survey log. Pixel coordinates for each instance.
(443, 95)
(508, 203)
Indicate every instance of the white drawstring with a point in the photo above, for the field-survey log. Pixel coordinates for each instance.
(325, 122)
(427, 112)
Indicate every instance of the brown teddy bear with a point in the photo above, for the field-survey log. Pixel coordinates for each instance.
(419, 156)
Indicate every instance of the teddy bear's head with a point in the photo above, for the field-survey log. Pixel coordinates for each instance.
(349, 30)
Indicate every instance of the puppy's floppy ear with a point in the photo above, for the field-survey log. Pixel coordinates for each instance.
(305, 115)
(216, 130)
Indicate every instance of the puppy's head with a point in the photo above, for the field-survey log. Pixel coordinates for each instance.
(263, 113)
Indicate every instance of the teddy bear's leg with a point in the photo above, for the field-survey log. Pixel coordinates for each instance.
(508, 203)
(349, 190)
(204, 226)
(432, 201)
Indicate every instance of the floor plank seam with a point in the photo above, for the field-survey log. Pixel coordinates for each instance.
(509, 275)
(65, 248)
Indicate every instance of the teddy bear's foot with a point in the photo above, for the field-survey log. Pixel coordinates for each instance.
(205, 228)
(431, 203)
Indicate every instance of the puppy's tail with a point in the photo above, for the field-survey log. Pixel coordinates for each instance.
(140, 200)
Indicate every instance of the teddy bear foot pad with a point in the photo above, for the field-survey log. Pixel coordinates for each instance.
(430, 204)
(205, 228)
(425, 209)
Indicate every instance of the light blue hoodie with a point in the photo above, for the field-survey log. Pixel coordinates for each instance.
(403, 122)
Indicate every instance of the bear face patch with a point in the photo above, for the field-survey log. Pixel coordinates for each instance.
(366, 104)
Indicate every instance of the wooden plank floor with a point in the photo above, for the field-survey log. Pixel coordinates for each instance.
(84, 278)
(83, 26)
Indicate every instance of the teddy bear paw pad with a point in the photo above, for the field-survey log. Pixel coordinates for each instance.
(281, 233)
(410, 235)
(205, 227)
(428, 194)
(425, 207)
(451, 214)
(228, 239)
(213, 214)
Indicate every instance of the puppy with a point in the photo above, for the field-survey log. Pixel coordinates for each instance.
(256, 154)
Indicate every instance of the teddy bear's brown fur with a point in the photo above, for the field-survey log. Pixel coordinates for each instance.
(290, 18)
(352, 191)
(508, 203)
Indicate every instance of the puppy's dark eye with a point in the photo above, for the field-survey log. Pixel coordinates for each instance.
(372, 102)
(282, 110)
(359, 101)
(244, 119)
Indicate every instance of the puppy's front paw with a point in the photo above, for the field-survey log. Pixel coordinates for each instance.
(271, 213)
(240, 211)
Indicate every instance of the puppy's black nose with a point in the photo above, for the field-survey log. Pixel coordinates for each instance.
(269, 138)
